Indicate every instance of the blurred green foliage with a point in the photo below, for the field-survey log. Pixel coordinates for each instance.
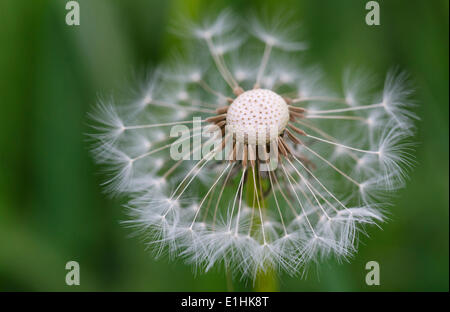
(52, 209)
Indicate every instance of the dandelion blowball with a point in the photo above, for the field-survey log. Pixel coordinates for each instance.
(253, 113)
(339, 155)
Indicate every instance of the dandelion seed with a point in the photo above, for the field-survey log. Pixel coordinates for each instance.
(337, 155)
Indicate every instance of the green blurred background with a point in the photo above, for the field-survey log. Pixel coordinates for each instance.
(52, 209)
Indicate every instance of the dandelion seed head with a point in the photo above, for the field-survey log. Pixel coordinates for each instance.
(255, 112)
(340, 155)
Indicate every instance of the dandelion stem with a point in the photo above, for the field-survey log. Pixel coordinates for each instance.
(229, 278)
(265, 280)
